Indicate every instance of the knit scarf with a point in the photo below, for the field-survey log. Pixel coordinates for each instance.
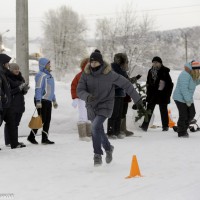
(154, 73)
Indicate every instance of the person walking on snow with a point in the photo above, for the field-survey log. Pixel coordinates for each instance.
(83, 124)
(183, 96)
(97, 88)
(44, 98)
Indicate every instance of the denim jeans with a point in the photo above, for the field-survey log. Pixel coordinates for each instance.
(98, 135)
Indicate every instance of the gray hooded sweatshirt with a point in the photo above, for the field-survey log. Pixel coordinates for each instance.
(101, 85)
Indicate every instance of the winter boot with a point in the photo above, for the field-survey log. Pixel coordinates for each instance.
(88, 129)
(110, 129)
(45, 139)
(31, 137)
(19, 145)
(109, 154)
(123, 128)
(82, 131)
(97, 160)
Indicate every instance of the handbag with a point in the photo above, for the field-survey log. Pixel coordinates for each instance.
(35, 122)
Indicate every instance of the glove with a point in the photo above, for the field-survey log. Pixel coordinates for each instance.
(133, 79)
(38, 104)
(75, 103)
(138, 76)
(26, 87)
(140, 105)
(90, 98)
(55, 105)
(22, 86)
(188, 104)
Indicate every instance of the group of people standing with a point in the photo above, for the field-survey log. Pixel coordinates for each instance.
(106, 90)
(12, 104)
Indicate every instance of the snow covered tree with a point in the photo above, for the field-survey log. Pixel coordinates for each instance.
(64, 33)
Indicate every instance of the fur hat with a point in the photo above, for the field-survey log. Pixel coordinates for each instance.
(96, 56)
(157, 59)
(13, 66)
(4, 58)
(120, 58)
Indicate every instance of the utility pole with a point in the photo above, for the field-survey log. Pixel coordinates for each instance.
(22, 41)
(186, 53)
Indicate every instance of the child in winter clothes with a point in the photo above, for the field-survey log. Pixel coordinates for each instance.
(97, 88)
(18, 89)
(183, 96)
(83, 124)
(44, 98)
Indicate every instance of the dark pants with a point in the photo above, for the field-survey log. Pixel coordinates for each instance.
(45, 112)
(186, 114)
(8, 117)
(125, 109)
(113, 126)
(17, 119)
(98, 135)
(163, 113)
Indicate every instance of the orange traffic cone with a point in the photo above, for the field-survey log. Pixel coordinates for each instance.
(135, 171)
(171, 122)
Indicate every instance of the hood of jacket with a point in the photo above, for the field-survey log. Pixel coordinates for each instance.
(42, 64)
(106, 68)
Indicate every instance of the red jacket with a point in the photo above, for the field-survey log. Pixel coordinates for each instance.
(76, 79)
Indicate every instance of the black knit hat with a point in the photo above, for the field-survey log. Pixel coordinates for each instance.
(96, 56)
(157, 59)
(4, 58)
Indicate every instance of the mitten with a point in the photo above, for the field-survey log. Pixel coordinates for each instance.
(55, 105)
(90, 98)
(75, 103)
(38, 104)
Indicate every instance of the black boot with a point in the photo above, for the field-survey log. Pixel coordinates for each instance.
(31, 138)
(45, 139)
(111, 129)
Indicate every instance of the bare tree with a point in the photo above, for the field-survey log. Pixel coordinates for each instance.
(64, 33)
(125, 33)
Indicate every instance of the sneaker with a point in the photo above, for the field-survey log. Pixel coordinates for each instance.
(97, 160)
(32, 140)
(47, 141)
(109, 154)
(165, 129)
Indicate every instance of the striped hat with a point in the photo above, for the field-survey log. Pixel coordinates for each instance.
(195, 65)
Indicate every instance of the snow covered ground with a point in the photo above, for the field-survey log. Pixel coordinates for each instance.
(170, 165)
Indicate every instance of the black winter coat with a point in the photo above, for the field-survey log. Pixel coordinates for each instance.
(17, 100)
(119, 92)
(5, 91)
(154, 95)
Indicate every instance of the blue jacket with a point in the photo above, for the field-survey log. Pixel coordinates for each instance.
(185, 87)
(44, 83)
